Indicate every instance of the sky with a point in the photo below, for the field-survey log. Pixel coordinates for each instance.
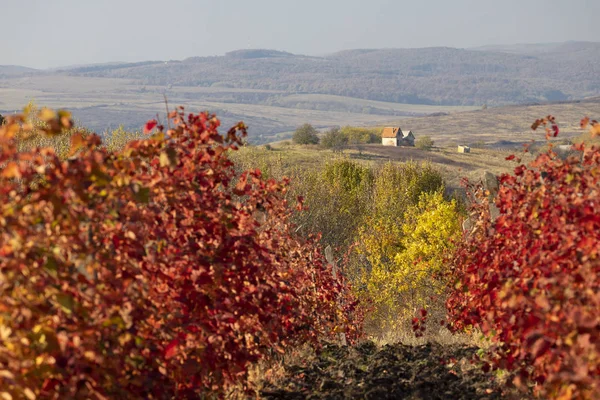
(53, 33)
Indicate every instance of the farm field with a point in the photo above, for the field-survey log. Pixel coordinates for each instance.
(502, 127)
(270, 114)
(493, 135)
(394, 371)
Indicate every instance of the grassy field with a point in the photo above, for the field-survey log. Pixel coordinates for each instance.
(286, 159)
(494, 134)
(507, 127)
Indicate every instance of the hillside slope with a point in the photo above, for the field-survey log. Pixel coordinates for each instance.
(441, 76)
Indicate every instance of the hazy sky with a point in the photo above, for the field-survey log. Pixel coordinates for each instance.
(50, 33)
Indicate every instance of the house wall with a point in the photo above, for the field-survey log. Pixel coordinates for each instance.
(389, 141)
(409, 141)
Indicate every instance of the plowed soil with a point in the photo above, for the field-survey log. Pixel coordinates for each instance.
(397, 371)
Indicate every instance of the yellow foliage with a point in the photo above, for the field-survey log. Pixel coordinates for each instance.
(406, 254)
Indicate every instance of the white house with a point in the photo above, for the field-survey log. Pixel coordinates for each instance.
(394, 136)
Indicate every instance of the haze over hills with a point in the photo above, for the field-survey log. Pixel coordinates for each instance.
(364, 86)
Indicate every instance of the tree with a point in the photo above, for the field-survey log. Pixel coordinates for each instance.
(388, 251)
(306, 134)
(1, 120)
(424, 143)
(334, 139)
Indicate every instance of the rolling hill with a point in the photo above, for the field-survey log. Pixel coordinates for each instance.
(275, 91)
(436, 76)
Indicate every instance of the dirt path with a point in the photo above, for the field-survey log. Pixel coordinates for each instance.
(396, 371)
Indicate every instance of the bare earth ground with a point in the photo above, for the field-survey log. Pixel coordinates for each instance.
(430, 371)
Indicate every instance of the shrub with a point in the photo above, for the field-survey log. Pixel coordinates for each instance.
(305, 134)
(334, 140)
(358, 135)
(530, 278)
(337, 198)
(385, 252)
(140, 273)
(268, 147)
(32, 133)
(424, 143)
(117, 139)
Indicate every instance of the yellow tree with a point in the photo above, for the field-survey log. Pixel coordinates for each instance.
(405, 254)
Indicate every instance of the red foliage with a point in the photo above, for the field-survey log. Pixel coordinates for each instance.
(155, 272)
(531, 278)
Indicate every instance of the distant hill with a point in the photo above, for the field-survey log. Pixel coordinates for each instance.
(275, 91)
(494, 75)
(11, 71)
(258, 53)
(541, 48)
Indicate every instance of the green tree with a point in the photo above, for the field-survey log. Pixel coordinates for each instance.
(358, 135)
(334, 139)
(424, 143)
(306, 134)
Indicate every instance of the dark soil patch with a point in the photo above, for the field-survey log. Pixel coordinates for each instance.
(430, 371)
(410, 153)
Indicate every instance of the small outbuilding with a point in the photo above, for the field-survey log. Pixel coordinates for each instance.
(464, 149)
(394, 136)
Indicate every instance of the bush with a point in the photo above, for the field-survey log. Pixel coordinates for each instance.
(384, 257)
(334, 140)
(424, 143)
(337, 198)
(141, 274)
(33, 132)
(117, 139)
(530, 278)
(268, 147)
(306, 134)
(358, 135)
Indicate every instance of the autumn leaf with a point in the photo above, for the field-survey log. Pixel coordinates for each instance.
(11, 170)
(77, 142)
(46, 114)
(149, 126)
(595, 129)
(168, 158)
(171, 349)
(584, 122)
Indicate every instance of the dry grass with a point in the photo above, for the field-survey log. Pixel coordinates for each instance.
(511, 123)
(287, 159)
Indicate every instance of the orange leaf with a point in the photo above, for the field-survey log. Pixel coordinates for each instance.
(11, 170)
(584, 122)
(77, 142)
(595, 129)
